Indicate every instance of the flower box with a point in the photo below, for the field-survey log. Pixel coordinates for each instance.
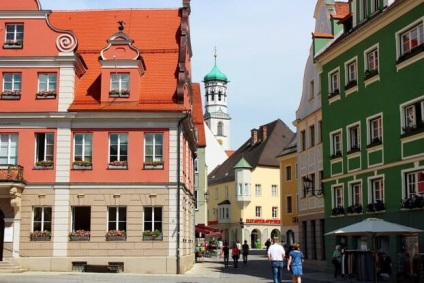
(44, 164)
(77, 238)
(153, 165)
(152, 238)
(370, 73)
(46, 94)
(152, 235)
(13, 44)
(11, 94)
(119, 93)
(40, 235)
(116, 238)
(82, 165)
(116, 235)
(117, 164)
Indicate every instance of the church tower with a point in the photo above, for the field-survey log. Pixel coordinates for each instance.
(216, 116)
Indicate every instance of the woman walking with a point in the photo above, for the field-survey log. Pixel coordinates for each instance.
(295, 264)
(337, 261)
(235, 253)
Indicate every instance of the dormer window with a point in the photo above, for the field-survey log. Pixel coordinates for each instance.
(14, 36)
(120, 85)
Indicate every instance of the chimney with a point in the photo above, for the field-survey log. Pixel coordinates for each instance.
(254, 136)
(264, 132)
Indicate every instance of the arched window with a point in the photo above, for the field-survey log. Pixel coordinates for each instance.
(220, 129)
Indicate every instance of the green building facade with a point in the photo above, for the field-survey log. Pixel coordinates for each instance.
(372, 93)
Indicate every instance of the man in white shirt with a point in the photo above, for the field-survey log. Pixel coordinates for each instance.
(276, 255)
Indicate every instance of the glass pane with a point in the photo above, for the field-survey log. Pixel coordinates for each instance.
(47, 214)
(112, 213)
(122, 214)
(147, 214)
(37, 213)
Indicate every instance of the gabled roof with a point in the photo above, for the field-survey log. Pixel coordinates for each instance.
(198, 115)
(156, 33)
(262, 153)
(291, 147)
(342, 9)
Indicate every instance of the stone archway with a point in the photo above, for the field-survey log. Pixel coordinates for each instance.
(275, 233)
(255, 236)
(1, 234)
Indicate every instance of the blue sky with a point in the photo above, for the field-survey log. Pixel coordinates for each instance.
(262, 47)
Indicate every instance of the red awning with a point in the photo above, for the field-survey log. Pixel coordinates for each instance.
(209, 231)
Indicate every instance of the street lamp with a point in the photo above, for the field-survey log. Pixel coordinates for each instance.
(309, 186)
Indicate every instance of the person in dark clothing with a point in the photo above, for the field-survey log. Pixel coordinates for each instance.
(226, 253)
(245, 248)
(267, 244)
(235, 253)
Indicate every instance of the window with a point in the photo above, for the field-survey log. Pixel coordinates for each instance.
(118, 147)
(14, 34)
(42, 218)
(414, 183)
(363, 9)
(246, 189)
(412, 38)
(351, 74)
(153, 218)
(8, 149)
(374, 5)
(274, 190)
(274, 212)
(338, 197)
(354, 137)
(337, 144)
(355, 194)
(334, 83)
(312, 135)
(288, 173)
(312, 184)
(377, 190)
(311, 89)
(226, 192)
(81, 218)
(375, 125)
(153, 148)
(196, 165)
(258, 190)
(289, 204)
(372, 61)
(240, 189)
(46, 84)
(220, 129)
(258, 211)
(120, 85)
(117, 218)
(83, 147)
(12, 84)
(302, 140)
(319, 131)
(413, 116)
(44, 147)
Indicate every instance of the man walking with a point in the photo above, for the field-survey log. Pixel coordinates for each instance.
(245, 249)
(276, 255)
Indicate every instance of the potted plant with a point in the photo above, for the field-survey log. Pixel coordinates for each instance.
(40, 235)
(118, 164)
(334, 93)
(339, 210)
(355, 208)
(116, 235)
(351, 84)
(79, 235)
(376, 206)
(13, 43)
(370, 73)
(82, 164)
(44, 163)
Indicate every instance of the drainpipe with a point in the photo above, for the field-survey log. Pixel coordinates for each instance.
(179, 189)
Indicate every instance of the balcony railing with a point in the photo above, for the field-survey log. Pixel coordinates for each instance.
(11, 173)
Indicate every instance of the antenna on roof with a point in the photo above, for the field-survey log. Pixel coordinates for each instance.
(215, 55)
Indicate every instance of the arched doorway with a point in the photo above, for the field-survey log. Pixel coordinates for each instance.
(255, 236)
(1, 234)
(275, 233)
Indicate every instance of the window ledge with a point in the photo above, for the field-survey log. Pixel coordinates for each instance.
(409, 58)
(43, 167)
(10, 97)
(333, 98)
(114, 167)
(10, 46)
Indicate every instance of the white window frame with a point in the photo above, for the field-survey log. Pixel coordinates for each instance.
(47, 82)
(334, 81)
(274, 212)
(375, 127)
(375, 6)
(409, 116)
(122, 139)
(416, 31)
(355, 192)
(118, 223)
(351, 70)
(376, 189)
(337, 196)
(413, 181)
(14, 35)
(44, 222)
(274, 190)
(156, 222)
(258, 190)
(354, 136)
(46, 153)
(8, 149)
(336, 142)
(153, 147)
(371, 58)
(12, 82)
(120, 82)
(84, 147)
(258, 211)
